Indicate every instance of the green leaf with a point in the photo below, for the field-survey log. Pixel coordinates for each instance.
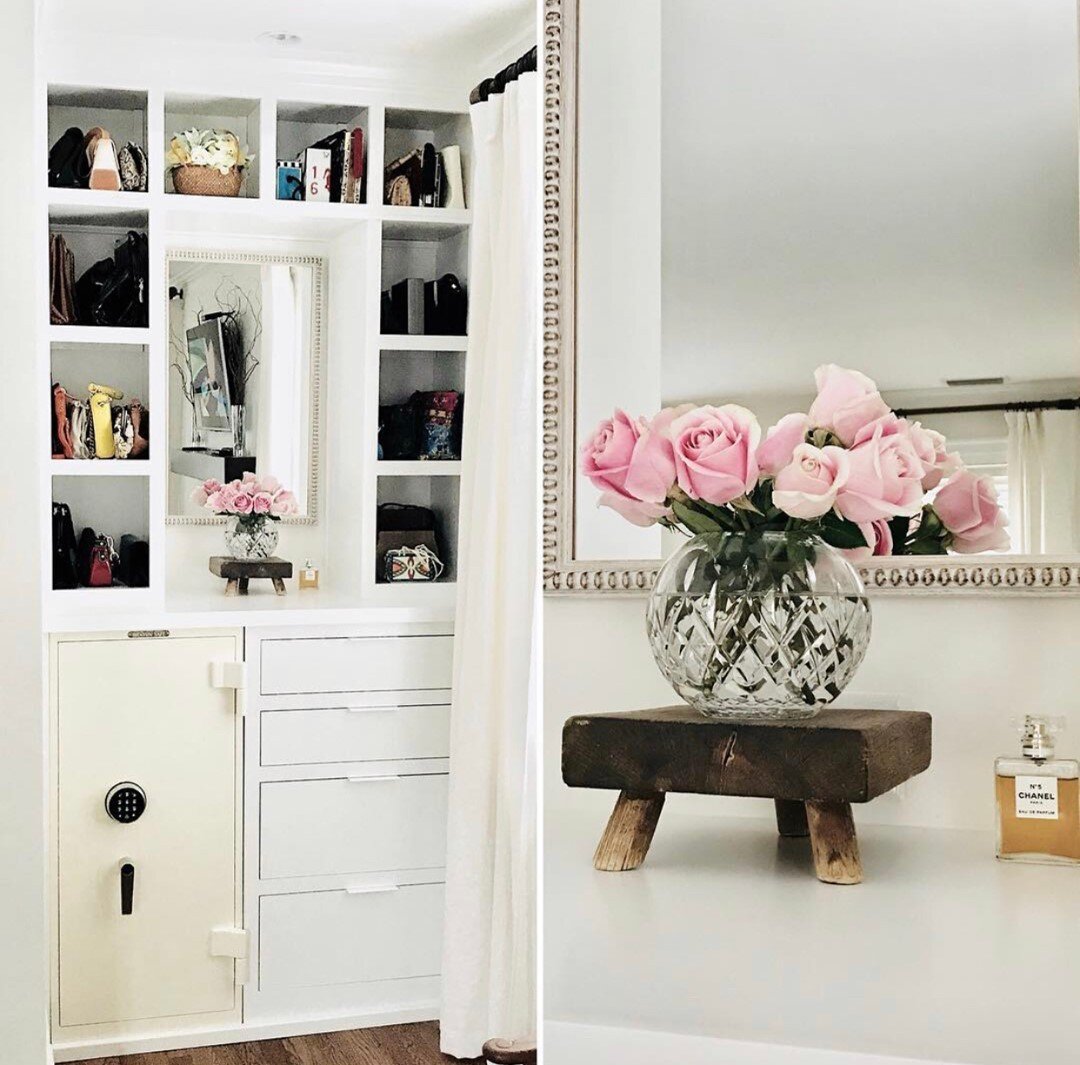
(693, 519)
(840, 533)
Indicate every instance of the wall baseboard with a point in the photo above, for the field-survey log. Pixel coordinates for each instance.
(180, 1039)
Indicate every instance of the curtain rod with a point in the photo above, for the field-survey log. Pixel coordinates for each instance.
(508, 74)
(1034, 404)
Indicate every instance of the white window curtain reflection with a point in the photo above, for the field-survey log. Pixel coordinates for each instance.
(283, 434)
(1044, 481)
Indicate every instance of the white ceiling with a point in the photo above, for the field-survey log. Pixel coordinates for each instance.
(888, 184)
(372, 33)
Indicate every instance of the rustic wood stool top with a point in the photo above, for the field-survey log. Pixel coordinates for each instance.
(813, 769)
(238, 571)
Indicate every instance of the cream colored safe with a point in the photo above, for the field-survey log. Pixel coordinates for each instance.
(146, 831)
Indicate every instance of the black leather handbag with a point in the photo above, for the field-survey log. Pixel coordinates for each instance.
(399, 431)
(114, 291)
(446, 308)
(69, 165)
(63, 548)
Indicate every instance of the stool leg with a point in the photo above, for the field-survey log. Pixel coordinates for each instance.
(629, 832)
(279, 585)
(232, 587)
(832, 838)
(791, 818)
(244, 585)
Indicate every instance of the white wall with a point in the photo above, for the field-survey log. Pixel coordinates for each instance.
(888, 184)
(971, 663)
(23, 987)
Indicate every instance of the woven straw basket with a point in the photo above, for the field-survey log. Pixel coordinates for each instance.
(192, 180)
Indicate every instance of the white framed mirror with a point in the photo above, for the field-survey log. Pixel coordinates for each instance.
(739, 193)
(245, 374)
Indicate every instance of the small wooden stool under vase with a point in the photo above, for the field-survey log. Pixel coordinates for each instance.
(813, 769)
(237, 572)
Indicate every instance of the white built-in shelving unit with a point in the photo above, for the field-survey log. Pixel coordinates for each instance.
(367, 246)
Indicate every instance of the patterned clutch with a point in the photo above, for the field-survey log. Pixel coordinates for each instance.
(412, 564)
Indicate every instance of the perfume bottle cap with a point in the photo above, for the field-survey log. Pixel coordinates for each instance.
(1039, 734)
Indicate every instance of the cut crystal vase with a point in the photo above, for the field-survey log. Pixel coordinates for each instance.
(758, 625)
(251, 537)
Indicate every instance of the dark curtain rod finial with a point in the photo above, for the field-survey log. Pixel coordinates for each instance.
(510, 73)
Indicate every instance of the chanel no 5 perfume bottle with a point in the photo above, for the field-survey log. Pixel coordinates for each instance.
(1038, 799)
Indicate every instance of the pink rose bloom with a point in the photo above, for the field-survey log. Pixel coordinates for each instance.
(807, 488)
(211, 485)
(606, 459)
(248, 477)
(217, 501)
(716, 452)
(242, 503)
(261, 503)
(248, 487)
(199, 496)
(283, 505)
(780, 443)
(269, 485)
(930, 446)
(878, 538)
(885, 478)
(227, 495)
(847, 401)
(651, 473)
(967, 505)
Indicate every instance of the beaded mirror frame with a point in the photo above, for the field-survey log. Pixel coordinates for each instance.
(318, 264)
(1006, 575)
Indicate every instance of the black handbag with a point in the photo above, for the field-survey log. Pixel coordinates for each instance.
(69, 165)
(399, 431)
(114, 291)
(63, 548)
(446, 308)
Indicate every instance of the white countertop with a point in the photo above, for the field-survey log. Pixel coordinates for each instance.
(724, 935)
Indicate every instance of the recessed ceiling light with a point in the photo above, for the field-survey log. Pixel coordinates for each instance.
(284, 40)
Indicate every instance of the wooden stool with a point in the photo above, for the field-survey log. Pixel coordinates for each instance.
(509, 1052)
(813, 770)
(238, 571)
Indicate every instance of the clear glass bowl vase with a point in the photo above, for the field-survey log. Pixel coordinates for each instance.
(250, 537)
(766, 625)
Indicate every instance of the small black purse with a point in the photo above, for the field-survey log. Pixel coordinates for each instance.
(114, 291)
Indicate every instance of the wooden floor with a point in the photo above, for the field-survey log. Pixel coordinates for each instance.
(398, 1044)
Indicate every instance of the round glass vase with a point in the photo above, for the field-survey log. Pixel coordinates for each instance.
(758, 625)
(251, 536)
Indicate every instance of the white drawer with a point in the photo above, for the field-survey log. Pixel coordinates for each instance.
(355, 664)
(319, 938)
(357, 825)
(355, 734)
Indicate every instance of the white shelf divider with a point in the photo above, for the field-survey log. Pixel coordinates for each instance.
(407, 342)
(418, 468)
(99, 468)
(97, 334)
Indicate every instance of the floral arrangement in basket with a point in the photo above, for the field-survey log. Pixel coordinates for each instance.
(207, 162)
(254, 503)
(849, 470)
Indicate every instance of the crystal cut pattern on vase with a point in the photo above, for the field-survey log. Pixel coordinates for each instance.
(249, 539)
(758, 625)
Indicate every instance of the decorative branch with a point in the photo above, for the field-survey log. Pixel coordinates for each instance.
(242, 329)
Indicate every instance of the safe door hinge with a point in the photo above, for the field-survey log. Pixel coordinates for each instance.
(228, 675)
(227, 942)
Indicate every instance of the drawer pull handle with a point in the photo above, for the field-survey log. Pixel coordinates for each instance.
(372, 709)
(371, 889)
(365, 780)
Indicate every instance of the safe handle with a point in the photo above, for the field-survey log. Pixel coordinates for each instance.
(127, 886)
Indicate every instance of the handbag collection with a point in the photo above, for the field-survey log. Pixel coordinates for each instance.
(427, 426)
(91, 161)
(111, 292)
(92, 560)
(406, 544)
(99, 427)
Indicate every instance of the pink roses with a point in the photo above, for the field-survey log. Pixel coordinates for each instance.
(248, 496)
(967, 506)
(849, 469)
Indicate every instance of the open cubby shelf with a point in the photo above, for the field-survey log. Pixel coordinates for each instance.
(368, 245)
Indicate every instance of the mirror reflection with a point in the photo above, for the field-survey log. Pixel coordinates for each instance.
(241, 391)
(891, 188)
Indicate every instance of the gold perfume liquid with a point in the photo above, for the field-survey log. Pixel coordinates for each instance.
(1038, 801)
(309, 576)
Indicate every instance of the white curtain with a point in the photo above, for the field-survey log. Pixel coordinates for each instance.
(1044, 481)
(489, 952)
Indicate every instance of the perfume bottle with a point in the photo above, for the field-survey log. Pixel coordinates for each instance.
(309, 576)
(1038, 799)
